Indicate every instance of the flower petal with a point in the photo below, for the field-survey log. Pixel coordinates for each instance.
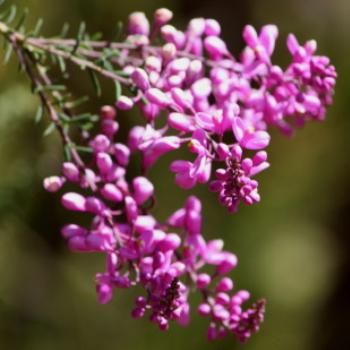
(256, 140)
(239, 128)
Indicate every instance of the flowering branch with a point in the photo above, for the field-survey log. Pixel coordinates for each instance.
(191, 91)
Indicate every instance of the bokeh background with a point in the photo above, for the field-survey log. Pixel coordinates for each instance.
(293, 247)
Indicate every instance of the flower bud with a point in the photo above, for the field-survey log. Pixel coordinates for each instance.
(228, 263)
(109, 127)
(212, 333)
(100, 143)
(236, 152)
(259, 157)
(194, 222)
(204, 309)
(172, 35)
(223, 151)
(212, 27)
(140, 79)
(108, 112)
(203, 280)
(53, 183)
(153, 63)
(171, 242)
(168, 33)
(157, 97)
(196, 26)
(150, 111)
(250, 36)
(220, 313)
(224, 285)
(159, 260)
(94, 205)
(181, 122)
(244, 295)
(143, 189)
(177, 219)
(112, 193)
(135, 137)
(72, 230)
(201, 88)
(138, 312)
(70, 171)
(177, 269)
(112, 262)
(78, 244)
(181, 98)
(179, 65)
(292, 44)
(89, 179)
(196, 47)
(121, 153)
(138, 24)
(124, 103)
(222, 174)
(175, 80)
(104, 162)
(162, 16)
(268, 36)
(193, 203)
(146, 264)
(163, 323)
(247, 164)
(104, 293)
(169, 51)
(144, 224)
(222, 298)
(131, 208)
(73, 201)
(195, 69)
(99, 242)
(215, 47)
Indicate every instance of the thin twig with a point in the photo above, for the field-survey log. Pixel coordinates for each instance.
(17, 37)
(46, 101)
(121, 46)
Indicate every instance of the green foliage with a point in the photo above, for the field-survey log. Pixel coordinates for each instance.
(95, 82)
(39, 58)
(39, 114)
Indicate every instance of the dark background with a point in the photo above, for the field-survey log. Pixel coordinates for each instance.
(293, 247)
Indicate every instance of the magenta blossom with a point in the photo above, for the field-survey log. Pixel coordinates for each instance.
(189, 174)
(248, 137)
(189, 90)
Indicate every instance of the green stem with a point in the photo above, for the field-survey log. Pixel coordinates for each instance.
(32, 43)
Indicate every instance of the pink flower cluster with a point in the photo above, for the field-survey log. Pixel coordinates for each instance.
(166, 259)
(220, 106)
(191, 91)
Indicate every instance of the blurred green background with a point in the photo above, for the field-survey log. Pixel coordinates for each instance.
(293, 247)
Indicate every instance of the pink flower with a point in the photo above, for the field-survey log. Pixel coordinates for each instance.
(215, 121)
(189, 174)
(153, 149)
(247, 137)
(264, 44)
(185, 98)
